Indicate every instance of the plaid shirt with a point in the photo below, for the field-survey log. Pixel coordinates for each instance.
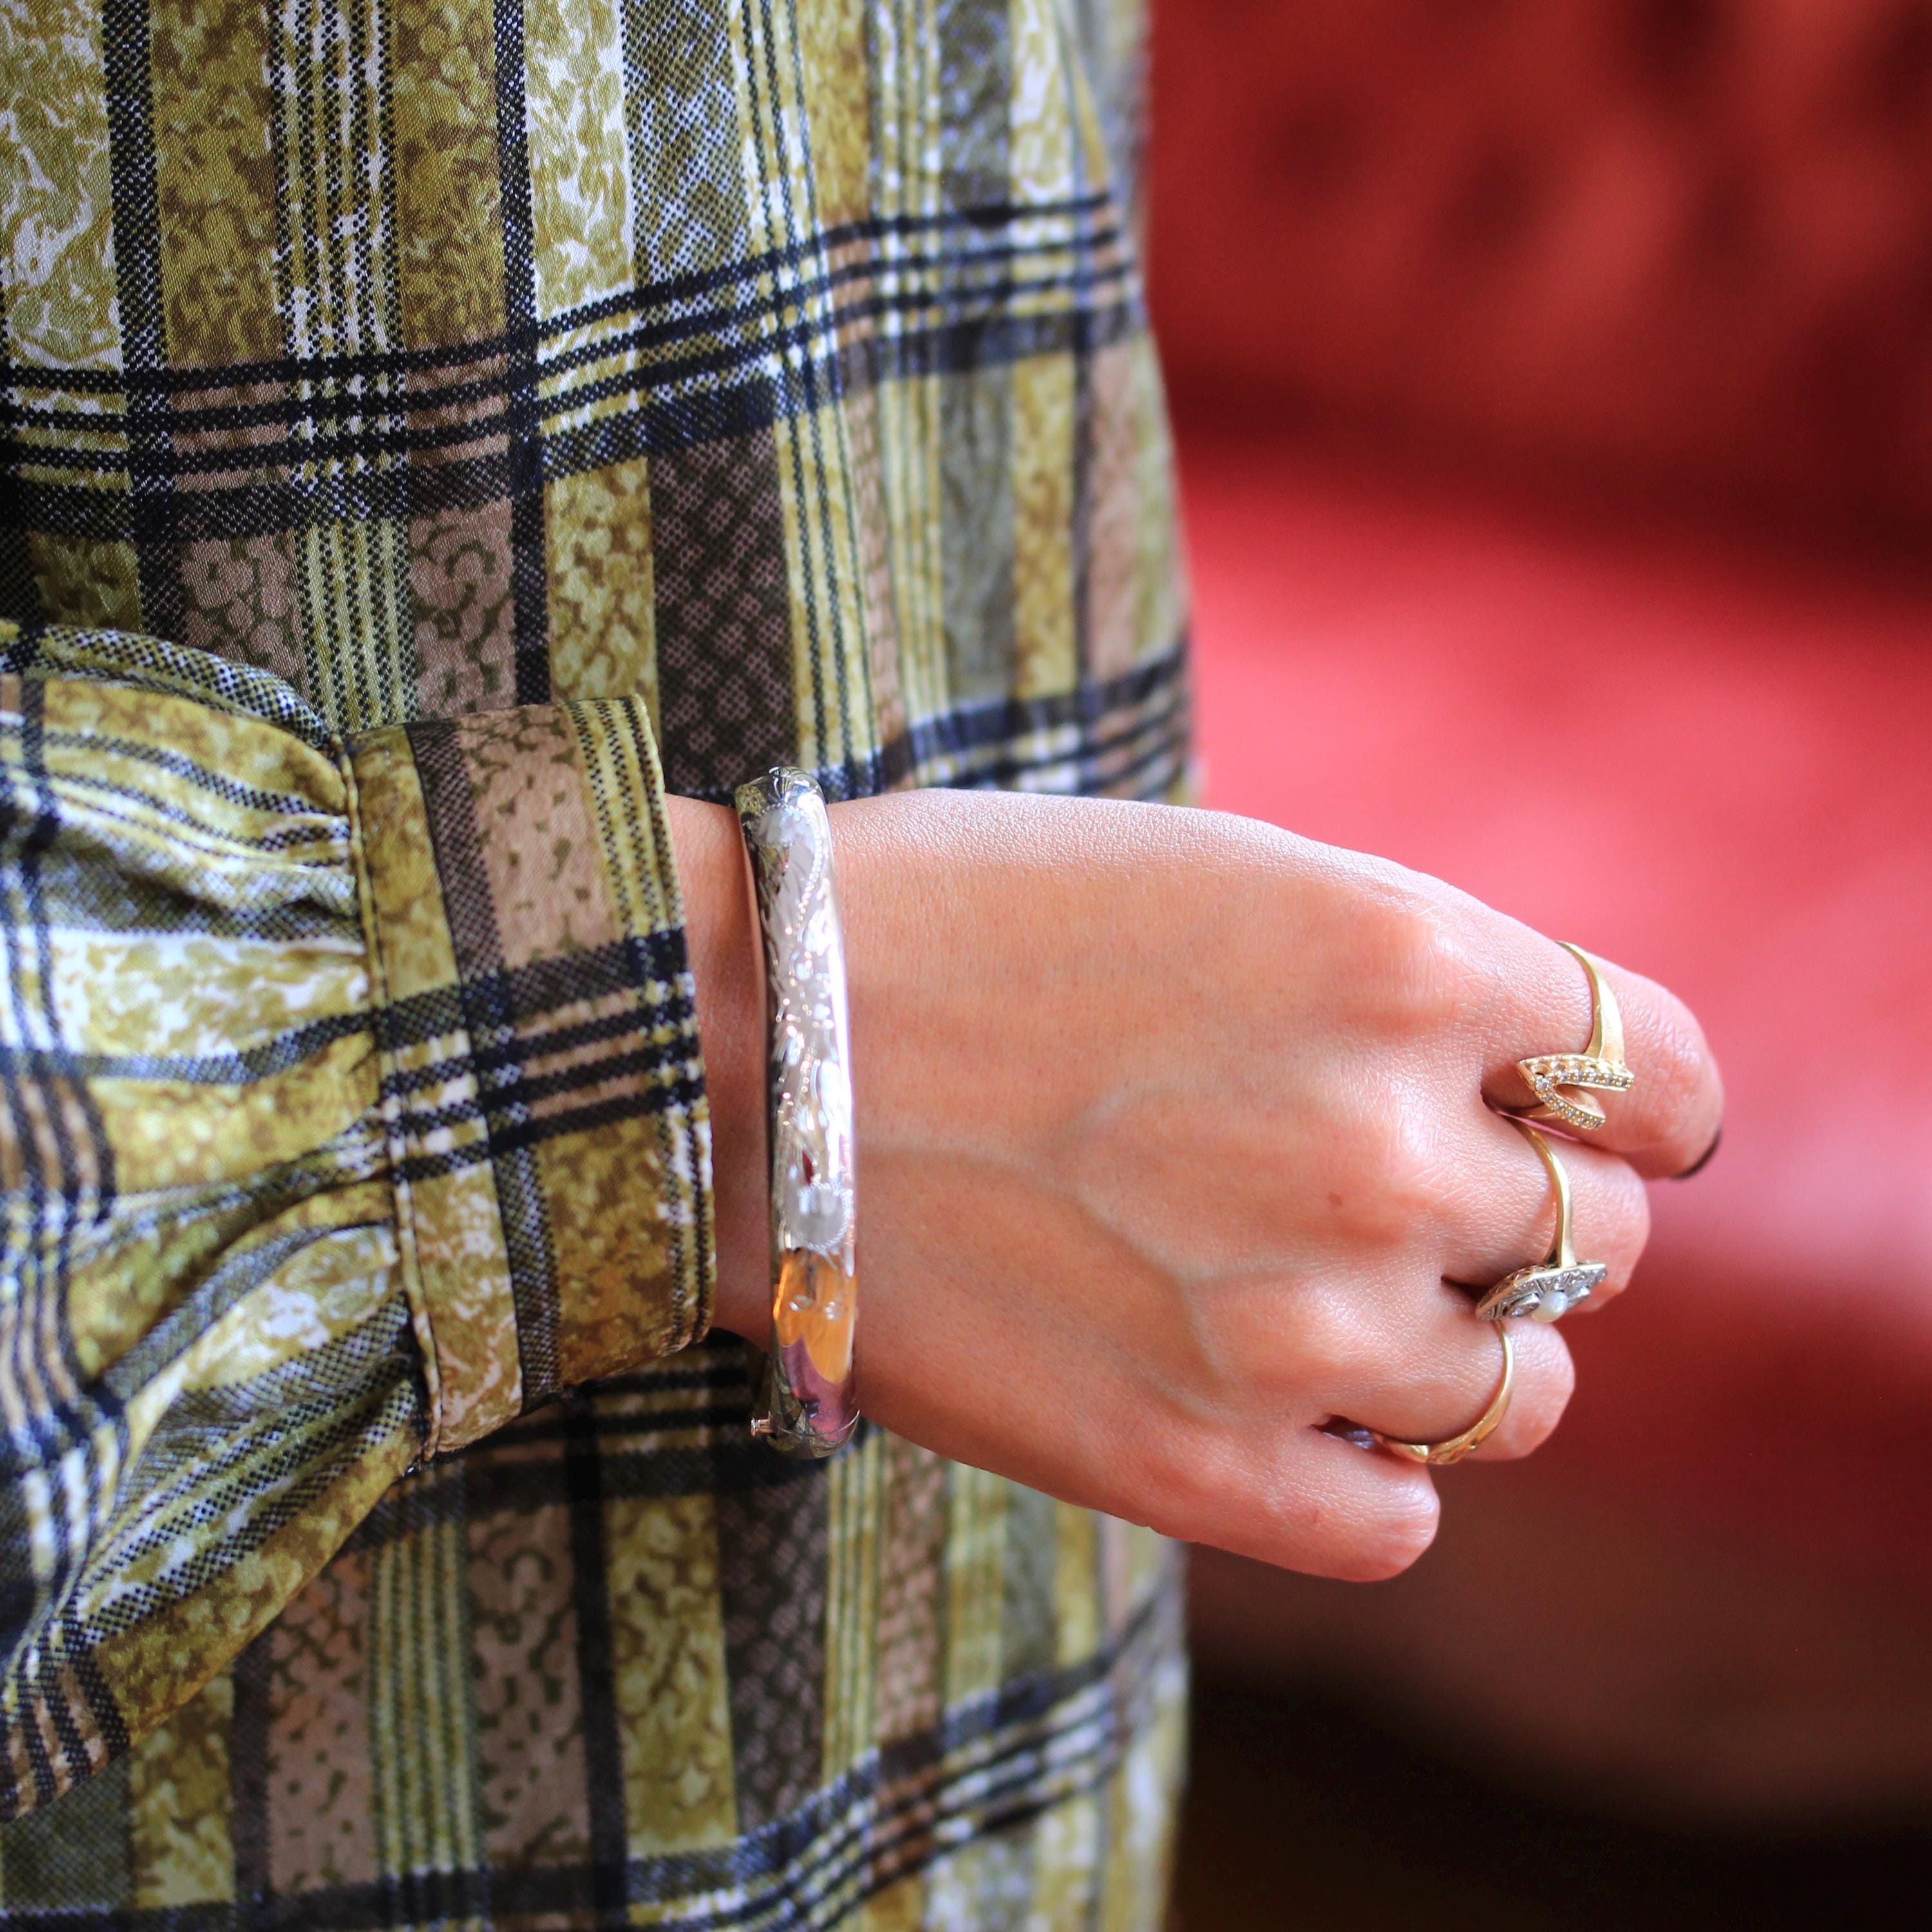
(430, 430)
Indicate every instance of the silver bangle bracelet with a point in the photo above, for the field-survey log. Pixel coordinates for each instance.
(810, 1405)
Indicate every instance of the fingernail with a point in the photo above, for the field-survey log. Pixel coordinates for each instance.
(1703, 1160)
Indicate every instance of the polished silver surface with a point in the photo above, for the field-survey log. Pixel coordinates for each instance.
(810, 1405)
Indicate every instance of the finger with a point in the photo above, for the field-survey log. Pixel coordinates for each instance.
(1505, 1217)
(1306, 1501)
(1424, 1369)
(1667, 1119)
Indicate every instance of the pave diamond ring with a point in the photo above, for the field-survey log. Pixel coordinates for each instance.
(1600, 1065)
(1546, 1290)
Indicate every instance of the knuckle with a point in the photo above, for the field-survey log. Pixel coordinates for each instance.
(1274, 1345)
(1282, 1507)
(1396, 1184)
(1414, 960)
(1325, 1344)
(1412, 1175)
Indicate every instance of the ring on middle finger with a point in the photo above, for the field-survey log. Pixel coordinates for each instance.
(1547, 1290)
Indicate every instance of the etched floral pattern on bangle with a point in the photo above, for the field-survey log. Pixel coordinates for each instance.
(811, 1403)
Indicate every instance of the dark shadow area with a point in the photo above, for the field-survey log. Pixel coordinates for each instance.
(1303, 1810)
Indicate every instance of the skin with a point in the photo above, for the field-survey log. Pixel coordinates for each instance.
(1175, 1140)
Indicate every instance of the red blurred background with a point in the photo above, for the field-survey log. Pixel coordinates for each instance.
(1553, 381)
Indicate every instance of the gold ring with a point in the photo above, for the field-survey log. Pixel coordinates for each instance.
(1546, 1290)
(1439, 1454)
(1600, 1065)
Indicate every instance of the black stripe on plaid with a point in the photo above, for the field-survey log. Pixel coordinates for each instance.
(669, 293)
(309, 1419)
(19, 591)
(500, 1055)
(582, 1470)
(283, 1439)
(137, 265)
(216, 1069)
(679, 1413)
(249, 1732)
(724, 611)
(527, 993)
(521, 1136)
(773, 1585)
(373, 428)
(223, 785)
(507, 998)
(436, 746)
(503, 1102)
(236, 1274)
(308, 405)
(649, 427)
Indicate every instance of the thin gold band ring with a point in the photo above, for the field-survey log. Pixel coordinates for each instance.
(1438, 1455)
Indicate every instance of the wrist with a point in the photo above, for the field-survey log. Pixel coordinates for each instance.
(722, 939)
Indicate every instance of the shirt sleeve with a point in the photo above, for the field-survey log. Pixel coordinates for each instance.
(353, 1104)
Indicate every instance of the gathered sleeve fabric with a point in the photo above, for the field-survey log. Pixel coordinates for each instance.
(351, 1103)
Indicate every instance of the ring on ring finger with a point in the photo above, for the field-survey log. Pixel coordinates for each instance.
(1546, 1290)
(1440, 1455)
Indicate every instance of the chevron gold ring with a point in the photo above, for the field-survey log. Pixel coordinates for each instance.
(1600, 1064)
(1546, 1290)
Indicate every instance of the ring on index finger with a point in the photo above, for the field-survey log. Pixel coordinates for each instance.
(1601, 1065)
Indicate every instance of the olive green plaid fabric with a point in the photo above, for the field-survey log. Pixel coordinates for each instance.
(427, 431)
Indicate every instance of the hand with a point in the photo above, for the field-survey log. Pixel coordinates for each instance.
(1173, 1147)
